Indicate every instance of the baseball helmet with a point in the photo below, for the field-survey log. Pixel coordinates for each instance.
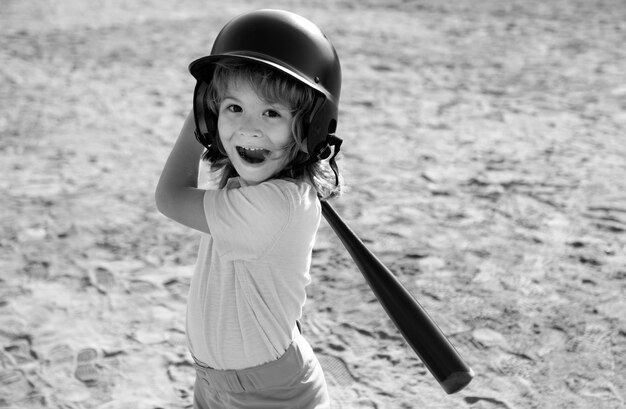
(291, 44)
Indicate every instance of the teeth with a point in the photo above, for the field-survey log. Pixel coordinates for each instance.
(253, 155)
(243, 148)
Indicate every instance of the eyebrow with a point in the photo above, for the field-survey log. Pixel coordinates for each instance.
(275, 105)
(228, 96)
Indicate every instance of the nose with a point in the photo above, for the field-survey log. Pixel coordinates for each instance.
(250, 126)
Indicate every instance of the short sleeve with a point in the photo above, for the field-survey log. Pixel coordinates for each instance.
(246, 222)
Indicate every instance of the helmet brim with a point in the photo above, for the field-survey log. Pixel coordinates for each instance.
(202, 69)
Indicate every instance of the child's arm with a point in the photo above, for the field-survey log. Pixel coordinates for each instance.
(177, 195)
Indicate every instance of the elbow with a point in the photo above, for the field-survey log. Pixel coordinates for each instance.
(158, 200)
(162, 200)
(168, 201)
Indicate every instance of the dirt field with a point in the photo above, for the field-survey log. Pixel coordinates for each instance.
(484, 148)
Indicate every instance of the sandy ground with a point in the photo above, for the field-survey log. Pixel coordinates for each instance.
(484, 148)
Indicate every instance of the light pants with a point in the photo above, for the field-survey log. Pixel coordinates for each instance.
(295, 380)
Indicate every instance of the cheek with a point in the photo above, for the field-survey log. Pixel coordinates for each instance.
(224, 129)
(285, 136)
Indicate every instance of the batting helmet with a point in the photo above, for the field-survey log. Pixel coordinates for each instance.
(291, 44)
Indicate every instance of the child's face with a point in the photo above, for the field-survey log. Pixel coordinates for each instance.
(256, 134)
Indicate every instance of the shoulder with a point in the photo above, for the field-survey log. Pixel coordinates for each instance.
(275, 193)
(250, 220)
(300, 193)
(289, 200)
(275, 199)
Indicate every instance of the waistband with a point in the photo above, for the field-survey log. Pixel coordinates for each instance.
(296, 359)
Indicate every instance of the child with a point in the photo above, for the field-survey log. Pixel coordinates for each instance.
(265, 110)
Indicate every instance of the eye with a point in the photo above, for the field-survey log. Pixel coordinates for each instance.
(272, 113)
(234, 108)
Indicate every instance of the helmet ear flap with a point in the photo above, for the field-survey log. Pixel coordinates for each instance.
(206, 120)
(321, 128)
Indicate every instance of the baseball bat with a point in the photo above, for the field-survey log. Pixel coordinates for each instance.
(416, 326)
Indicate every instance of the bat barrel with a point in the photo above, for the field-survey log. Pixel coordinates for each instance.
(413, 322)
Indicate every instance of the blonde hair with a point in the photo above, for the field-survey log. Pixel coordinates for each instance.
(275, 87)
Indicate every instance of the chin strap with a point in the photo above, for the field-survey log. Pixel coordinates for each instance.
(335, 142)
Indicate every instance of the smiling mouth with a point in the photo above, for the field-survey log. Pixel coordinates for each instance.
(253, 155)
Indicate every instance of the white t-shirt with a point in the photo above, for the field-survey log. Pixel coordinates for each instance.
(248, 287)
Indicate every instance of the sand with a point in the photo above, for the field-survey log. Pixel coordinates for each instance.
(484, 150)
